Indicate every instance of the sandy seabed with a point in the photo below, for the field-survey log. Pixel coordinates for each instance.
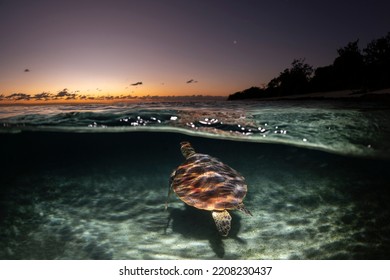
(109, 204)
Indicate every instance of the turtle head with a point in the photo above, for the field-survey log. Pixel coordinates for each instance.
(186, 149)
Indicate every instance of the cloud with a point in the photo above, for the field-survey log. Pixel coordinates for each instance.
(18, 96)
(137, 84)
(191, 81)
(62, 93)
(42, 96)
(71, 96)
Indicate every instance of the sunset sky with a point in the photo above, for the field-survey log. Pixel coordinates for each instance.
(172, 47)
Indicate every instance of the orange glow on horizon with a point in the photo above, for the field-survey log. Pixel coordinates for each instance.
(130, 93)
(137, 94)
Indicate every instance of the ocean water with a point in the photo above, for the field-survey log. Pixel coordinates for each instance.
(91, 181)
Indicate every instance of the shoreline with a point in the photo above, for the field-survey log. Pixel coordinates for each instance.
(382, 95)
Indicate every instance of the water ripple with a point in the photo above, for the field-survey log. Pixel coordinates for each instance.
(345, 130)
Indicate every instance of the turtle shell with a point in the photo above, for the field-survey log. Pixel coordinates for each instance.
(206, 183)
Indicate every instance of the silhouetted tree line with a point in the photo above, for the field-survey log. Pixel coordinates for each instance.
(354, 69)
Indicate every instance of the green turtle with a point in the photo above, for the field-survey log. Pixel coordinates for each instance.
(204, 182)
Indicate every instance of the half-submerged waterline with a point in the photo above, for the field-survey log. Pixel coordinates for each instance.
(332, 127)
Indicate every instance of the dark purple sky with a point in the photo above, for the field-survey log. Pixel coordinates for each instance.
(102, 47)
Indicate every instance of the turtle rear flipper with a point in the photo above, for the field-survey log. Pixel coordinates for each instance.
(222, 221)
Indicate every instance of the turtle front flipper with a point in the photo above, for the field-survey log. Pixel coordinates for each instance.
(167, 201)
(242, 208)
(170, 188)
(222, 221)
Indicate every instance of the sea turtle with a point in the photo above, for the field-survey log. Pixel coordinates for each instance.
(206, 183)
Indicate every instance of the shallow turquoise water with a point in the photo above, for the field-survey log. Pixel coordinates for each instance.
(73, 189)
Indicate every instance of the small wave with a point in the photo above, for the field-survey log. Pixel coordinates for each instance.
(345, 131)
